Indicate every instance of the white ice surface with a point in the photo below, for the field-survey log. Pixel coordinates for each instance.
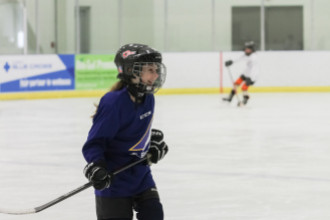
(269, 160)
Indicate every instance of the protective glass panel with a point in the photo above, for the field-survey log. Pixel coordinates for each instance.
(284, 28)
(245, 26)
(12, 27)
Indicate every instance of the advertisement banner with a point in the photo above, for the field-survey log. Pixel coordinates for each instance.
(95, 72)
(36, 73)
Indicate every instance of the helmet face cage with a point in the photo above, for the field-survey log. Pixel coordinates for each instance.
(250, 45)
(142, 86)
(130, 60)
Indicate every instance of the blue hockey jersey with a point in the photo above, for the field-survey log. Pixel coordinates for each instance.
(120, 135)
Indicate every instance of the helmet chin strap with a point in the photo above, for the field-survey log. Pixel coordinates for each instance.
(132, 88)
(139, 90)
(134, 91)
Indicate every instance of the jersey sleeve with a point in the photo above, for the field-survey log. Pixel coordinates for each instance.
(104, 128)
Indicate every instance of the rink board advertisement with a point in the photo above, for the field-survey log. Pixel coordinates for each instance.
(36, 73)
(95, 72)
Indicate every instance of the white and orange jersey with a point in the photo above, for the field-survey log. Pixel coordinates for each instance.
(251, 68)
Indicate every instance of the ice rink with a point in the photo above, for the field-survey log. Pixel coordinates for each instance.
(269, 160)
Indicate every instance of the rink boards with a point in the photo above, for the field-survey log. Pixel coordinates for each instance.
(52, 76)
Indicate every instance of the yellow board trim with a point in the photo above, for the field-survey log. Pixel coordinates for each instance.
(53, 94)
(165, 91)
(251, 89)
(291, 89)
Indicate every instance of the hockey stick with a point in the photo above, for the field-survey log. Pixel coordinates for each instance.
(232, 80)
(65, 196)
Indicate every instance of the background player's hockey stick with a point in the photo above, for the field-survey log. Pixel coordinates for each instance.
(65, 196)
(235, 89)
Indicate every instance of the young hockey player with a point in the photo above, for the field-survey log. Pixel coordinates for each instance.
(248, 77)
(121, 134)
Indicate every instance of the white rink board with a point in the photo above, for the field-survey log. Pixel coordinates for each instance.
(207, 70)
(276, 69)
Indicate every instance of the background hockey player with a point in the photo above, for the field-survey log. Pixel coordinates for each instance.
(121, 134)
(249, 74)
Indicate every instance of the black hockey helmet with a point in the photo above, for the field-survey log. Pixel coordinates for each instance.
(250, 45)
(130, 59)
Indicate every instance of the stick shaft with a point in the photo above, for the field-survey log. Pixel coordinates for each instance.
(83, 187)
(232, 80)
(67, 195)
(63, 197)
